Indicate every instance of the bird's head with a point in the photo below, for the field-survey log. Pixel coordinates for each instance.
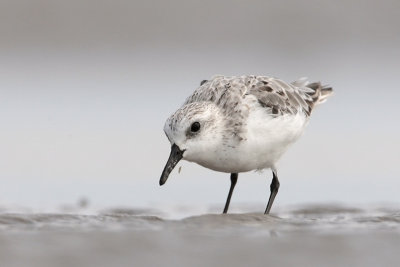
(194, 132)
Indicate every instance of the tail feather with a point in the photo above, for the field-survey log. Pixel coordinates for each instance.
(321, 92)
(317, 92)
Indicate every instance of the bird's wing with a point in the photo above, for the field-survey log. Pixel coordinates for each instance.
(281, 97)
(275, 95)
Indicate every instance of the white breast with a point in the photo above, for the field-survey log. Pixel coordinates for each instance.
(268, 138)
(265, 140)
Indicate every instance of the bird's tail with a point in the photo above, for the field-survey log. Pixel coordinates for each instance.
(321, 92)
(316, 91)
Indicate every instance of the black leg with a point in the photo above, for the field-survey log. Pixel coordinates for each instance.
(234, 177)
(274, 190)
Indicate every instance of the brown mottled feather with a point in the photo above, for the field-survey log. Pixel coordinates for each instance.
(277, 96)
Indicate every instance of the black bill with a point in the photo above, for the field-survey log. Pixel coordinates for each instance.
(175, 156)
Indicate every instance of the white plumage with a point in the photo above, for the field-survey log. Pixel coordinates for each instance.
(239, 124)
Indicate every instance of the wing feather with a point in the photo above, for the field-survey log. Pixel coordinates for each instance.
(281, 97)
(274, 94)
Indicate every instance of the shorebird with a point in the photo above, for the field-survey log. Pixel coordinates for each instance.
(241, 123)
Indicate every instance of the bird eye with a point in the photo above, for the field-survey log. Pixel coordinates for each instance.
(195, 127)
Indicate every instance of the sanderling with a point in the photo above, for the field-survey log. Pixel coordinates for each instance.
(239, 124)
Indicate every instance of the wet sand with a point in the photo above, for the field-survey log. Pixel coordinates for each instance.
(324, 235)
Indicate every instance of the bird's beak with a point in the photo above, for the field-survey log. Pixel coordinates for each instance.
(175, 156)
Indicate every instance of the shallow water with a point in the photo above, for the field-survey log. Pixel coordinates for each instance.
(311, 235)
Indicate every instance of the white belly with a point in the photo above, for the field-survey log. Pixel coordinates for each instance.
(265, 141)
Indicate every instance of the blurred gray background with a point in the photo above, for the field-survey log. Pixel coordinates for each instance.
(85, 88)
